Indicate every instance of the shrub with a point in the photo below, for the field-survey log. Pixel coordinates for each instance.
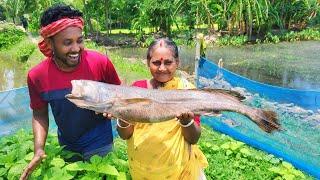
(10, 35)
(232, 40)
(25, 52)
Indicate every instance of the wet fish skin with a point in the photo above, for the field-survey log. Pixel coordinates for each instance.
(135, 104)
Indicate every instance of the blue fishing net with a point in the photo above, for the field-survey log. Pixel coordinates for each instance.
(15, 112)
(298, 143)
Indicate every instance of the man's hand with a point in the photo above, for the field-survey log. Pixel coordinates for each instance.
(107, 115)
(36, 160)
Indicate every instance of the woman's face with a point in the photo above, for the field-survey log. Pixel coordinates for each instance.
(162, 64)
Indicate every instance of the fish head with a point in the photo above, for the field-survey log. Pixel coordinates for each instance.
(85, 94)
(86, 104)
(83, 89)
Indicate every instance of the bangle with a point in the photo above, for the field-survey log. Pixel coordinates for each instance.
(123, 127)
(187, 125)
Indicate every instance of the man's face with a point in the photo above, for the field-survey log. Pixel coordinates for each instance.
(67, 46)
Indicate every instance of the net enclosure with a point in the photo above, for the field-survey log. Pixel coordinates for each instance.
(297, 110)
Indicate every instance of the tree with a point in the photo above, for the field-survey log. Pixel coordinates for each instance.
(2, 13)
(14, 8)
(156, 14)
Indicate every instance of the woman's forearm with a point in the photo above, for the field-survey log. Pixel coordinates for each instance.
(191, 133)
(124, 129)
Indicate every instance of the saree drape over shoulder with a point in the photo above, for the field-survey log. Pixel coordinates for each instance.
(159, 150)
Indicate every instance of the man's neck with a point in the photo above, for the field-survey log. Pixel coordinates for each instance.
(62, 66)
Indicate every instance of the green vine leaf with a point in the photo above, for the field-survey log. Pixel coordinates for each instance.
(29, 156)
(77, 166)
(96, 159)
(108, 169)
(122, 176)
(57, 162)
(3, 171)
(245, 151)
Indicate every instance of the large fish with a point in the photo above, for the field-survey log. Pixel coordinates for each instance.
(135, 104)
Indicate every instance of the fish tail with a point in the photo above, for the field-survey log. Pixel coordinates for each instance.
(268, 121)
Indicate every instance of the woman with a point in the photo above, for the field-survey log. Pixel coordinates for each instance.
(164, 150)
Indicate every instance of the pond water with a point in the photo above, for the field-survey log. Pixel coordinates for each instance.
(12, 74)
(293, 65)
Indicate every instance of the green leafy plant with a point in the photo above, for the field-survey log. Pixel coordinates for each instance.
(231, 159)
(228, 159)
(287, 171)
(232, 40)
(16, 152)
(25, 52)
(10, 35)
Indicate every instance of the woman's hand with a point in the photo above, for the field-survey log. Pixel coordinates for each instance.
(185, 118)
(190, 131)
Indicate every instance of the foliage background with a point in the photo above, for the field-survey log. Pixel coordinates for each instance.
(252, 18)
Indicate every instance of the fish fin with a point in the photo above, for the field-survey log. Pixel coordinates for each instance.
(136, 100)
(235, 94)
(231, 123)
(268, 121)
(212, 114)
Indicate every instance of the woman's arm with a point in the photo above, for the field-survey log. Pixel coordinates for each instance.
(190, 130)
(125, 130)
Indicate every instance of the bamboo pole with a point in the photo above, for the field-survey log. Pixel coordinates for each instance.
(197, 58)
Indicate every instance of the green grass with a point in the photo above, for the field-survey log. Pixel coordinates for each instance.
(128, 71)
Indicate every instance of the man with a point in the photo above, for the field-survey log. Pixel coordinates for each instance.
(79, 130)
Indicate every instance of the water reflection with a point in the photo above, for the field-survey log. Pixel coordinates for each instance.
(9, 77)
(12, 74)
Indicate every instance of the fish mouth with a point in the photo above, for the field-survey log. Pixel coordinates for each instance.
(72, 96)
(77, 100)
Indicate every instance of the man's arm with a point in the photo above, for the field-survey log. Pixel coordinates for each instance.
(40, 124)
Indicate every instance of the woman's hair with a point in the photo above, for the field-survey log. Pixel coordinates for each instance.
(163, 42)
(57, 12)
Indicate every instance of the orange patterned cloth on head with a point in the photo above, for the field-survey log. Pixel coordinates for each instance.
(54, 28)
